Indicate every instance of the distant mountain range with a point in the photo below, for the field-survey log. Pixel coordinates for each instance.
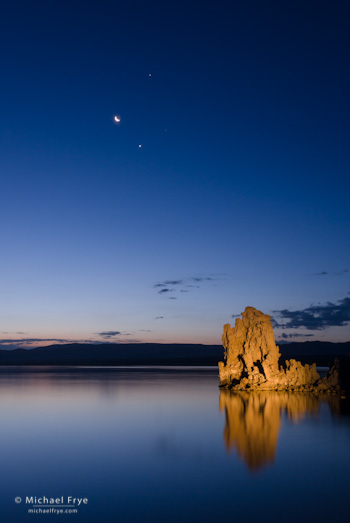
(323, 353)
(319, 352)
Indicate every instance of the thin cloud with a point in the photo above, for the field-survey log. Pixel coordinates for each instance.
(296, 335)
(159, 318)
(184, 284)
(315, 317)
(341, 272)
(7, 343)
(166, 283)
(108, 334)
(29, 341)
(326, 273)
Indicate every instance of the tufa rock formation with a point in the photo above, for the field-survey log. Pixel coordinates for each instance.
(251, 360)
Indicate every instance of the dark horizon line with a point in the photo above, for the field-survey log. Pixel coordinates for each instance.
(165, 344)
(116, 354)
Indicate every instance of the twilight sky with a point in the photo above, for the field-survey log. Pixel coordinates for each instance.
(238, 195)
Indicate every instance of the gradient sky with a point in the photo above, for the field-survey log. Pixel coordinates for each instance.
(238, 196)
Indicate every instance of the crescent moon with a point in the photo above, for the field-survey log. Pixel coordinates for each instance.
(117, 119)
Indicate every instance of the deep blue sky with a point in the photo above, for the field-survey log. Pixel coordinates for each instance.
(238, 196)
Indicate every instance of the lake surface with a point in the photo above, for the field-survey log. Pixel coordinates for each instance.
(165, 445)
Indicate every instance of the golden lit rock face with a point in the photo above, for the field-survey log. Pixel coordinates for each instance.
(252, 356)
(253, 421)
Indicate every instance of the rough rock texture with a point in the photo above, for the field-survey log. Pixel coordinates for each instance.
(251, 360)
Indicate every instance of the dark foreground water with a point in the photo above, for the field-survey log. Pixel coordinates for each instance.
(147, 445)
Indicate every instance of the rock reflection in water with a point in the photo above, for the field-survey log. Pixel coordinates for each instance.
(253, 421)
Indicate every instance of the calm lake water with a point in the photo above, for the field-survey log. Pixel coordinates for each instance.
(165, 445)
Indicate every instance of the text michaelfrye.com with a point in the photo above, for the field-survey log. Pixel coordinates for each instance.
(50, 505)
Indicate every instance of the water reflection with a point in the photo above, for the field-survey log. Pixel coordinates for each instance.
(253, 421)
(146, 445)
